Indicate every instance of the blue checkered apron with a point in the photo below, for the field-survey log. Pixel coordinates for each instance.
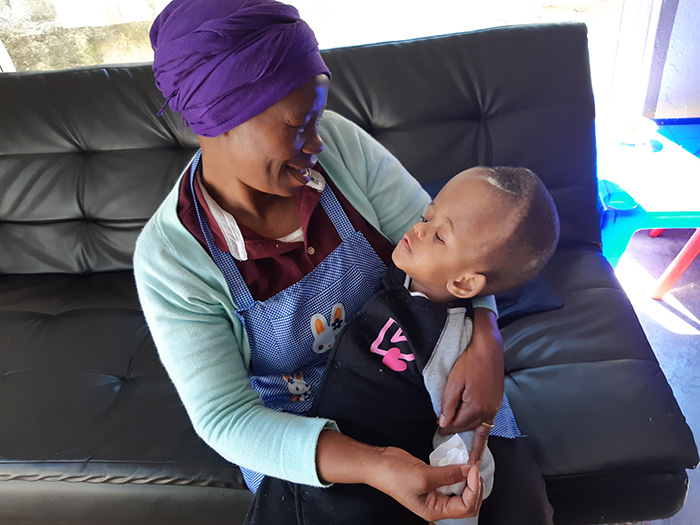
(288, 355)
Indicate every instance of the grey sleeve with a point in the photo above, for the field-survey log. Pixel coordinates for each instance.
(454, 338)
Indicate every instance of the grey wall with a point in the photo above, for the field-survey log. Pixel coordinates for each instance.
(674, 83)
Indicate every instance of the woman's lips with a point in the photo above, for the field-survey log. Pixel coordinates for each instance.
(302, 175)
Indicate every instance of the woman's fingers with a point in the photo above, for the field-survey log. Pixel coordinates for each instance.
(473, 494)
(447, 475)
(462, 505)
(414, 484)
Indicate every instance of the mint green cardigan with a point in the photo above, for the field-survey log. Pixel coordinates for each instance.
(203, 345)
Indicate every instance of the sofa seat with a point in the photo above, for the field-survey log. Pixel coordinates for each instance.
(92, 405)
(612, 408)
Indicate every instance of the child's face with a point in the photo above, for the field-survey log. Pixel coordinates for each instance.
(443, 252)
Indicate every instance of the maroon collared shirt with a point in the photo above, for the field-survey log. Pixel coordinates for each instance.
(273, 265)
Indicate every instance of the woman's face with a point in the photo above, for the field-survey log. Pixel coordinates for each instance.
(271, 152)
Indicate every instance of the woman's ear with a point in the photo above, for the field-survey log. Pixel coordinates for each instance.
(467, 286)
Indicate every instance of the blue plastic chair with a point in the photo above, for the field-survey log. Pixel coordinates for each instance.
(654, 184)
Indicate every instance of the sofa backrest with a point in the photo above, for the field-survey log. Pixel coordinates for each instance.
(85, 160)
(518, 95)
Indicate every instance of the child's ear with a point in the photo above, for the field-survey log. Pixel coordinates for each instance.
(467, 286)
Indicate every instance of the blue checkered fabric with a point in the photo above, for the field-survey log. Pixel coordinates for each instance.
(504, 425)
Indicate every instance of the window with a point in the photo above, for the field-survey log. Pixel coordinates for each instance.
(57, 34)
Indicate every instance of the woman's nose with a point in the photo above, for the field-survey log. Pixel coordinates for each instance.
(313, 145)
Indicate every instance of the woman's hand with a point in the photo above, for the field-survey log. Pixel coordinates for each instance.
(414, 484)
(474, 390)
(398, 474)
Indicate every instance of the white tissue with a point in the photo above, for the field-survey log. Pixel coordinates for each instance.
(451, 452)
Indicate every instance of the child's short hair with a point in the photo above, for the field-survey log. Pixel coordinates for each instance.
(535, 236)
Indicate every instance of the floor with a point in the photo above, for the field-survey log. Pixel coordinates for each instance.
(673, 328)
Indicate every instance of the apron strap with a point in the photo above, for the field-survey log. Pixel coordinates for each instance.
(336, 213)
(224, 261)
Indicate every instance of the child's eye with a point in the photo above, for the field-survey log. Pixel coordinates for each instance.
(423, 219)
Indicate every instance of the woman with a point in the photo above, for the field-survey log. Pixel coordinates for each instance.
(257, 240)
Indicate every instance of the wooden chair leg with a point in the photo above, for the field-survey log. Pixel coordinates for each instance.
(679, 265)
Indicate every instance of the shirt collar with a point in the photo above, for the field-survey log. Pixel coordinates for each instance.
(227, 223)
(407, 285)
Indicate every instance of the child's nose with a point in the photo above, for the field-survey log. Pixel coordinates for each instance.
(418, 230)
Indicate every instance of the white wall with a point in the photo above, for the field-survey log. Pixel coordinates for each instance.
(679, 86)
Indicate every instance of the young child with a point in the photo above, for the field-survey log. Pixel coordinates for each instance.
(487, 230)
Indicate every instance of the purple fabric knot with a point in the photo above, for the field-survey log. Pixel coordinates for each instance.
(221, 62)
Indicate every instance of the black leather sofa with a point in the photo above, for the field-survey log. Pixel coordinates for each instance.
(91, 430)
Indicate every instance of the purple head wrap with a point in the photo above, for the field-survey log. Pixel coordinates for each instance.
(221, 62)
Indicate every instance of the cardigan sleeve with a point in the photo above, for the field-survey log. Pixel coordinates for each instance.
(374, 181)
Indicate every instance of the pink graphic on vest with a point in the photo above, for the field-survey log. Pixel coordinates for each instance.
(393, 358)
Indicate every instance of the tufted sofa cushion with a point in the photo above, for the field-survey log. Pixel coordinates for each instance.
(89, 418)
(84, 162)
